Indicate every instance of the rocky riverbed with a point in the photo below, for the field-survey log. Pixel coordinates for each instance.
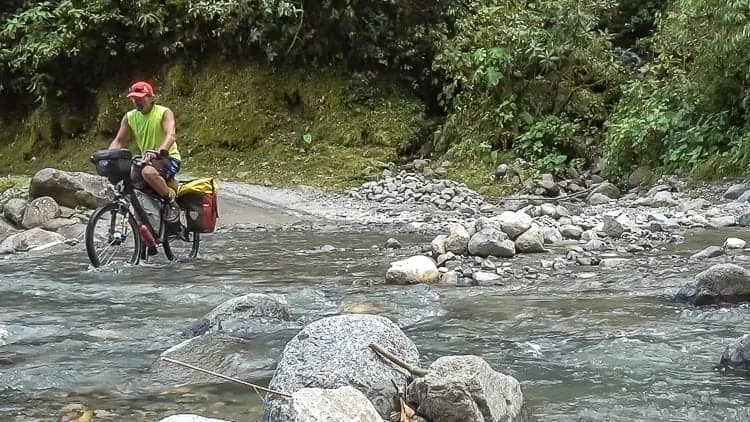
(576, 222)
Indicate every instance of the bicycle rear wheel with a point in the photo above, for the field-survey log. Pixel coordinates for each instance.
(182, 247)
(118, 233)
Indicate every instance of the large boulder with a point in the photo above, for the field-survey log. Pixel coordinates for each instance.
(458, 239)
(736, 356)
(322, 405)
(334, 352)
(466, 388)
(243, 317)
(722, 283)
(70, 189)
(513, 223)
(414, 270)
(30, 240)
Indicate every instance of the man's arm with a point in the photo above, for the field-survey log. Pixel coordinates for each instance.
(123, 135)
(168, 125)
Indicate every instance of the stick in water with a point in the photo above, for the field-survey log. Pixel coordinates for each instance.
(414, 370)
(228, 378)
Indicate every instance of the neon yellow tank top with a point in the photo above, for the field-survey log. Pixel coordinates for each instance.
(147, 131)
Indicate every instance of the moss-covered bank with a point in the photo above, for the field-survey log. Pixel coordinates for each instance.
(238, 121)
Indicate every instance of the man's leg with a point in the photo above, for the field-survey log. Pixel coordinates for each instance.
(158, 173)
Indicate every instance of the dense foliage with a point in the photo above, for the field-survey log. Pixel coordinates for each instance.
(559, 82)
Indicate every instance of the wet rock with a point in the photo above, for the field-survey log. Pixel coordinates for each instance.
(70, 189)
(734, 191)
(215, 352)
(485, 277)
(513, 223)
(243, 317)
(457, 240)
(414, 270)
(39, 211)
(188, 417)
(392, 243)
(442, 259)
(734, 243)
(334, 352)
(530, 241)
(722, 283)
(31, 240)
(709, 252)
(466, 388)
(491, 242)
(323, 405)
(13, 210)
(594, 245)
(736, 356)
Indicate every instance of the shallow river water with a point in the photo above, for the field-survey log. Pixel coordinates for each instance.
(587, 344)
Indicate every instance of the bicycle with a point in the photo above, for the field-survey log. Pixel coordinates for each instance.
(142, 212)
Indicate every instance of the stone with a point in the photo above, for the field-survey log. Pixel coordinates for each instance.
(734, 191)
(242, 316)
(335, 352)
(39, 211)
(70, 189)
(530, 241)
(736, 356)
(189, 418)
(457, 240)
(466, 388)
(491, 242)
(570, 231)
(13, 210)
(413, 270)
(324, 405)
(32, 240)
(734, 243)
(721, 283)
(709, 252)
(513, 223)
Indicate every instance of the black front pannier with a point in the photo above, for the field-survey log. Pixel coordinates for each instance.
(114, 164)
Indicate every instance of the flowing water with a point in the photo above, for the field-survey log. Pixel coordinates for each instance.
(587, 344)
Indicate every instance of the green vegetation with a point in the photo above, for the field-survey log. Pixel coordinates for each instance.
(324, 92)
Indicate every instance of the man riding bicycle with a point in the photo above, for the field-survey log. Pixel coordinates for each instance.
(152, 126)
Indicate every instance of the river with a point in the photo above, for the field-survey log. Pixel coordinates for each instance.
(587, 344)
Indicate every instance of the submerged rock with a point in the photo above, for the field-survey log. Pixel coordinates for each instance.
(736, 356)
(334, 352)
(722, 283)
(242, 316)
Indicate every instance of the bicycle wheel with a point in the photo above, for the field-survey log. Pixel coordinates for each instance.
(190, 240)
(119, 233)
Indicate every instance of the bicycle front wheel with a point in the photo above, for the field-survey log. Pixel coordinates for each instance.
(112, 230)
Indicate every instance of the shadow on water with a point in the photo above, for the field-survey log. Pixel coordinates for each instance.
(588, 344)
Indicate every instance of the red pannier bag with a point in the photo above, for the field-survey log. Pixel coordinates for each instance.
(199, 200)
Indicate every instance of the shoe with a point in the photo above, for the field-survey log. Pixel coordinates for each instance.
(151, 251)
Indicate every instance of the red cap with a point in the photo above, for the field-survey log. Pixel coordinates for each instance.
(140, 90)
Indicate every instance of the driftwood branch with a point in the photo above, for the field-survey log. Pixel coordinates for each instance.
(413, 369)
(228, 378)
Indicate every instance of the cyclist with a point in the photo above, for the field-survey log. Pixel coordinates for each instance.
(152, 127)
